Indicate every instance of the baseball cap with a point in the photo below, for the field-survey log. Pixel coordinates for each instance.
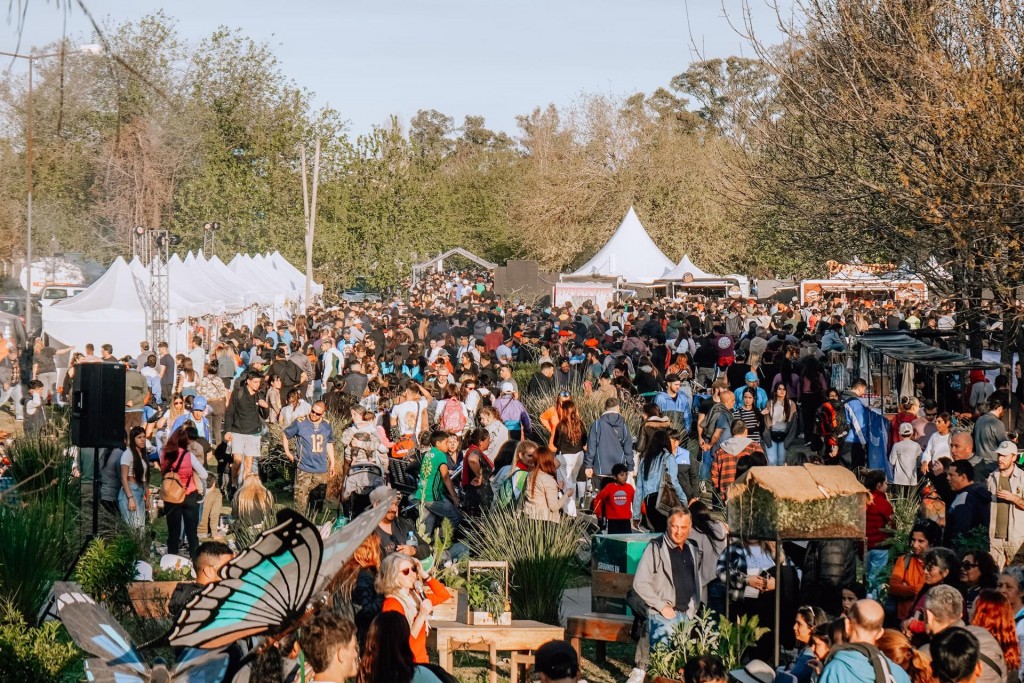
(199, 403)
(507, 388)
(906, 429)
(1007, 448)
(750, 377)
(380, 494)
(556, 659)
(257, 360)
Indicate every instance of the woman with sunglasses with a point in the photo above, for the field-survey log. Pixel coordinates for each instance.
(163, 425)
(978, 571)
(403, 583)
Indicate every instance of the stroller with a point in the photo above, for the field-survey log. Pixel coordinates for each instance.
(364, 471)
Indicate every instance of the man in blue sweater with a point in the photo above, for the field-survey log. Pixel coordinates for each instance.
(859, 661)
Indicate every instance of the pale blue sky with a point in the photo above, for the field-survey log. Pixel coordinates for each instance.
(497, 58)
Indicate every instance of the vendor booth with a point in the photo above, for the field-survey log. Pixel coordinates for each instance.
(864, 281)
(687, 278)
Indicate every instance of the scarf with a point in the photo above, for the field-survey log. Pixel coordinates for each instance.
(411, 607)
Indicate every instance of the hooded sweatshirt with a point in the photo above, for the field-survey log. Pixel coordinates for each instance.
(609, 444)
(723, 469)
(846, 666)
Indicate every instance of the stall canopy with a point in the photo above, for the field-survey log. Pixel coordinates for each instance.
(686, 274)
(630, 255)
(906, 349)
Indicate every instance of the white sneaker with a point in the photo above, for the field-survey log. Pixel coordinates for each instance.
(636, 676)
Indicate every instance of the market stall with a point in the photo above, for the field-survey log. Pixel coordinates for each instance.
(806, 503)
(864, 281)
(687, 278)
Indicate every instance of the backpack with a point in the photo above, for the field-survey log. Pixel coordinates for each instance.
(507, 494)
(403, 447)
(453, 418)
(836, 426)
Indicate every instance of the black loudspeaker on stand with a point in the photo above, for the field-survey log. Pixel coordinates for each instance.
(97, 405)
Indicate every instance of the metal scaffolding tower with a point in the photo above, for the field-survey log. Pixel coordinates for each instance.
(152, 247)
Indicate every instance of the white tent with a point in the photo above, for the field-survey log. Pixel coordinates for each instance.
(686, 269)
(224, 276)
(200, 271)
(281, 264)
(108, 312)
(630, 254)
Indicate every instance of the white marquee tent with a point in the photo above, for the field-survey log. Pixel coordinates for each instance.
(686, 274)
(630, 255)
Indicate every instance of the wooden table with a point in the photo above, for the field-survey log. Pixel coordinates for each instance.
(521, 636)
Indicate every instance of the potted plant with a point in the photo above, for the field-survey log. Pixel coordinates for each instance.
(703, 635)
(487, 594)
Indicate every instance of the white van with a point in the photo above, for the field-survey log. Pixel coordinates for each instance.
(54, 293)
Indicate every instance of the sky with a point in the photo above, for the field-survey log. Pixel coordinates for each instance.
(370, 59)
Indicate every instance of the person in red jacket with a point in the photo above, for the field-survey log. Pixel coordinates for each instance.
(879, 514)
(615, 502)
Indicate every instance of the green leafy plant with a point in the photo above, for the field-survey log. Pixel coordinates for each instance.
(44, 653)
(34, 551)
(704, 635)
(172, 575)
(106, 568)
(485, 592)
(541, 558)
(40, 468)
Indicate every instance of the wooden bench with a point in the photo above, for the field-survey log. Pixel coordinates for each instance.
(607, 589)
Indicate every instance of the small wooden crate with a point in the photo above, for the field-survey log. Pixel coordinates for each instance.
(474, 618)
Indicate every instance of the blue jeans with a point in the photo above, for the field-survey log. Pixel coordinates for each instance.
(135, 519)
(438, 510)
(705, 466)
(874, 563)
(776, 452)
(659, 628)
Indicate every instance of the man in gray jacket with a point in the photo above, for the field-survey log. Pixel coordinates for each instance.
(668, 577)
(608, 444)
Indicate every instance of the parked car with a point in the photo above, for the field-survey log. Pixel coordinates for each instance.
(361, 293)
(14, 304)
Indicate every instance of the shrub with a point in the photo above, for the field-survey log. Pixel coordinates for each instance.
(41, 468)
(590, 405)
(43, 654)
(106, 568)
(541, 557)
(34, 550)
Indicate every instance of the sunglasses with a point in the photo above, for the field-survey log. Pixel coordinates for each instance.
(179, 403)
(407, 571)
(316, 414)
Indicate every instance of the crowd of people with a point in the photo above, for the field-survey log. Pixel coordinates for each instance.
(428, 396)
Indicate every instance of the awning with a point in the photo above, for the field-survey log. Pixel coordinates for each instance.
(905, 348)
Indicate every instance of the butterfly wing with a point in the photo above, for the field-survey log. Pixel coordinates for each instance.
(201, 666)
(97, 671)
(341, 544)
(264, 589)
(95, 631)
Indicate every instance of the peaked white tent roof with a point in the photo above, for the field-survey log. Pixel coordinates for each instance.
(684, 268)
(629, 254)
(282, 265)
(108, 312)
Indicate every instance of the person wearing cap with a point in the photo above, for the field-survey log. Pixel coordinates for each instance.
(760, 395)
(556, 662)
(1006, 522)
(512, 412)
(197, 418)
(905, 457)
(396, 534)
(858, 660)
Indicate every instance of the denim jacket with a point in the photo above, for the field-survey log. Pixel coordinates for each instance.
(651, 483)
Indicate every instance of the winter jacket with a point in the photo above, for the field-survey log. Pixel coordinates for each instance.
(857, 416)
(828, 565)
(679, 404)
(543, 501)
(879, 513)
(609, 444)
(650, 483)
(972, 507)
(653, 578)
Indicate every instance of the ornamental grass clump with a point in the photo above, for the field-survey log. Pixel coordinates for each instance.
(541, 557)
(590, 405)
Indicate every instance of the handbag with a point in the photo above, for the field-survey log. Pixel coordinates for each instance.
(668, 499)
(172, 488)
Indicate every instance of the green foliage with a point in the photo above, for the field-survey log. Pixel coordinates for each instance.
(172, 575)
(44, 653)
(971, 541)
(704, 635)
(485, 591)
(41, 468)
(541, 557)
(34, 550)
(590, 405)
(106, 568)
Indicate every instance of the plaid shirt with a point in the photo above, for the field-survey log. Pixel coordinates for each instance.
(723, 469)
